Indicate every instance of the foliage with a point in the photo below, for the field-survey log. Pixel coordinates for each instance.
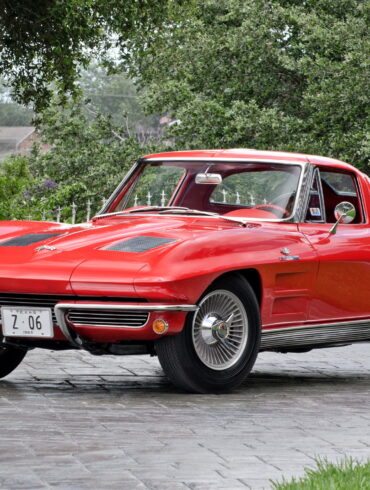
(268, 74)
(327, 476)
(15, 179)
(45, 42)
(86, 161)
(12, 114)
(15, 115)
(115, 94)
(88, 157)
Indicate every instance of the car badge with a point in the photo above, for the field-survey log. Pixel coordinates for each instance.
(45, 247)
(285, 251)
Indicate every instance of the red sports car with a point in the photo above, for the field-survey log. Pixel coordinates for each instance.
(203, 258)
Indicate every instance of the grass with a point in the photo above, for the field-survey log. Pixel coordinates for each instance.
(345, 475)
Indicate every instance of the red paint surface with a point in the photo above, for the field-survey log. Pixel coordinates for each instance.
(329, 282)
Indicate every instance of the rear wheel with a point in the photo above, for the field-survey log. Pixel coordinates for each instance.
(219, 343)
(10, 358)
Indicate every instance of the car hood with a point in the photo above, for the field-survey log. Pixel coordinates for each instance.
(91, 258)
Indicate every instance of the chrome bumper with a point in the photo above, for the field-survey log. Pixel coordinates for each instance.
(61, 309)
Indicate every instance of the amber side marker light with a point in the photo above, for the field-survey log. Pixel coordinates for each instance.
(160, 326)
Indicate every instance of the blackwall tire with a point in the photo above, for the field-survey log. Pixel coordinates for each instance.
(10, 358)
(219, 344)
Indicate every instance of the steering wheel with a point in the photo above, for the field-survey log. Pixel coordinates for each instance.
(273, 208)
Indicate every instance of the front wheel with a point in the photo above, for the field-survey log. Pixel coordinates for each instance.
(219, 343)
(10, 358)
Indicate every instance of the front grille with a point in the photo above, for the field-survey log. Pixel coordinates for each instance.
(49, 301)
(31, 300)
(108, 318)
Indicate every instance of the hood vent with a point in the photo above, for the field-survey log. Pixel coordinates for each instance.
(140, 244)
(24, 240)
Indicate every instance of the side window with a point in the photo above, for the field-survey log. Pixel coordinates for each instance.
(338, 187)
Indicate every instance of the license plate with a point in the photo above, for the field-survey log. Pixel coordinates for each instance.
(27, 322)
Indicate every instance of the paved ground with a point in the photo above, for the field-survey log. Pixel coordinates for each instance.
(70, 420)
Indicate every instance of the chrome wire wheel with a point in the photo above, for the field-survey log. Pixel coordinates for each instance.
(220, 330)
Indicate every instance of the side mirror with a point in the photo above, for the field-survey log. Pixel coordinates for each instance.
(208, 178)
(344, 212)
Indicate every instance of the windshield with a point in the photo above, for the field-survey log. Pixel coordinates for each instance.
(250, 190)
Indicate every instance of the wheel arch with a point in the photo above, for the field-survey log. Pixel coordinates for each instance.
(251, 275)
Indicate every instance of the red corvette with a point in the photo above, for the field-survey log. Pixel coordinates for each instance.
(203, 258)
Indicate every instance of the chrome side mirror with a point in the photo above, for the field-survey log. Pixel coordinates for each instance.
(207, 178)
(344, 212)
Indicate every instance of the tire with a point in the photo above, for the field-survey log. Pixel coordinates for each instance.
(10, 358)
(219, 343)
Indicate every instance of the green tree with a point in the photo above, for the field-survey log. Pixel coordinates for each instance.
(15, 115)
(12, 114)
(44, 43)
(115, 94)
(278, 74)
(15, 179)
(87, 160)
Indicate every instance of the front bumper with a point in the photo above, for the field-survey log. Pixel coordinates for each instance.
(137, 326)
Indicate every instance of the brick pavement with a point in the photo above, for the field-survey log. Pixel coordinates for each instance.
(70, 420)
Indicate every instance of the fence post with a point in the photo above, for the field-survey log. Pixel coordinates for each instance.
(163, 198)
(74, 206)
(88, 210)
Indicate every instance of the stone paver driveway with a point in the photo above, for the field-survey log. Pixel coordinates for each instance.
(73, 421)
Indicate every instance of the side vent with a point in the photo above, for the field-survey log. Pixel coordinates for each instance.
(140, 244)
(24, 240)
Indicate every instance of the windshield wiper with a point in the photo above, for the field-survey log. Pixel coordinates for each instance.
(159, 210)
(170, 210)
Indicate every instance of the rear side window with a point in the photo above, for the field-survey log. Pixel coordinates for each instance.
(338, 187)
(342, 184)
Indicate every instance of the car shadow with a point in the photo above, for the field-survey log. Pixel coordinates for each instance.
(258, 382)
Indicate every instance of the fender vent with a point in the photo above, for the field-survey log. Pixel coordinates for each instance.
(140, 244)
(24, 240)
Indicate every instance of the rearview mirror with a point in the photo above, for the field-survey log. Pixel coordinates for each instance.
(208, 179)
(344, 212)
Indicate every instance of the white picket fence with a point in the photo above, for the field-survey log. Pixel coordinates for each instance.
(150, 200)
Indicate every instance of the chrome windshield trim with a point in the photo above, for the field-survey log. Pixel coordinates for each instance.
(226, 159)
(293, 218)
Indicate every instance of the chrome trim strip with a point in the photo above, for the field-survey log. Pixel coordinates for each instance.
(119, 188)
(109, 306)
(319, 325)
(59, 313)
(61, 308)
(315, 335)
(226, 159)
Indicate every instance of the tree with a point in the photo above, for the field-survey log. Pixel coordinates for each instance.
(114, 94)
(87, 160)
(44, 43)
(15, 179)
(278, 74)
(12, 114)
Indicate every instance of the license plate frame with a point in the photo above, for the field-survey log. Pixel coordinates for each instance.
(16, 322)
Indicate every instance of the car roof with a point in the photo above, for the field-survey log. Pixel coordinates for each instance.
(252, 154)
